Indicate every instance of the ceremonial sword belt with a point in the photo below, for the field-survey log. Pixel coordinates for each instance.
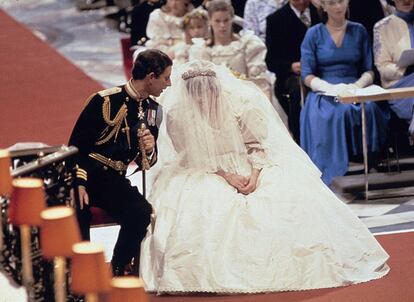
(114, 164)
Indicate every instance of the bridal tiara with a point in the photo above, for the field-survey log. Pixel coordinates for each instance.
(198, 73)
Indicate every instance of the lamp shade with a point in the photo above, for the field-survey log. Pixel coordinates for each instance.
(127, 289)
(59, 230)
(90, 274)
(5, 177)
(27, 201)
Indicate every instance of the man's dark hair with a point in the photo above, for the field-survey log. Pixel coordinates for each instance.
(150, 60)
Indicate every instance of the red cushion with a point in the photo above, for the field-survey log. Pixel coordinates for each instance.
(100, 217)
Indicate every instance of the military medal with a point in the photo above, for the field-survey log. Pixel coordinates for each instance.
(141, 113)
(151, 115)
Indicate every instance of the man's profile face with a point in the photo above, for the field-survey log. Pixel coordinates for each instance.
(158, 84)
(300, 5)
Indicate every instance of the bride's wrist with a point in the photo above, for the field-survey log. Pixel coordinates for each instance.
(227, 176)
(223, 174)
(256, 172)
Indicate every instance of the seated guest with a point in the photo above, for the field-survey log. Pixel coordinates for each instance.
(243, 53)
(335, 56)
(195, 25)
(164, 25)
(255, 13)
(139, 20)
(238, 7)
(392, 36)
(368, 12)
(283, 54)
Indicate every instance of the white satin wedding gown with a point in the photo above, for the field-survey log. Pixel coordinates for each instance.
(291, 233)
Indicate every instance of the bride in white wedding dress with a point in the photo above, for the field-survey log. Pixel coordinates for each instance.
(239, 206)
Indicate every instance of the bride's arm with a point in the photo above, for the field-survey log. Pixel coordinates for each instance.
(253, 127)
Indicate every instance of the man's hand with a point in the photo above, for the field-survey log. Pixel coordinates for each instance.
(147, 140)
(83, 197)
(296, 68)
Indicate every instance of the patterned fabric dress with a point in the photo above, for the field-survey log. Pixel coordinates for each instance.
(393, 35)
(256, 12)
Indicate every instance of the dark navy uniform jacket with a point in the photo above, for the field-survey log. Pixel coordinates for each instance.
(115, 138)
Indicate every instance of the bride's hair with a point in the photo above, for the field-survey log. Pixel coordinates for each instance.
(204, 90)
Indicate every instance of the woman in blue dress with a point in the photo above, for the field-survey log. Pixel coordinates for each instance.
(392, 36)
(335, 57)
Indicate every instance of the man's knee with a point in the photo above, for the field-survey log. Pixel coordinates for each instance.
(138, 214)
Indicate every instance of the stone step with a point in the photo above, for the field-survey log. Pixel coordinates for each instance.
(376, 181)
(390, 193)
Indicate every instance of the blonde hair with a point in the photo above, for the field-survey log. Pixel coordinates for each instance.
(195, 14)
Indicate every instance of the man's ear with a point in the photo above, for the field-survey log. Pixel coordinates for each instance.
(151, 76)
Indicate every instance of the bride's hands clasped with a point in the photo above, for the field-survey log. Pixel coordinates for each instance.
(251, 184)
(242, 184)
(236, 181)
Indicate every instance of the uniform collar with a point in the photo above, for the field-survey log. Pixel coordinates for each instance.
(132, 92)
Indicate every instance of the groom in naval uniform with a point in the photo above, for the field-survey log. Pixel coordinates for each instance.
(116, 127)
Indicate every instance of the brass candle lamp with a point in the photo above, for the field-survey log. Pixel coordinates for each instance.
(5, 183)
(59, 231)
(26, 203)
(90, 274)
(5, 177)
(127, 289)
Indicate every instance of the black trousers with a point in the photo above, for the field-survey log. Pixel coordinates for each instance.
(289, 97)
(112, 192)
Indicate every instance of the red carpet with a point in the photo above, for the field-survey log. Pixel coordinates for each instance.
(397, 286)
(41, 92)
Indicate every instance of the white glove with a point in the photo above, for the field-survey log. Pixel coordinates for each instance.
(339, 89)
(366, 79)
(318, 84)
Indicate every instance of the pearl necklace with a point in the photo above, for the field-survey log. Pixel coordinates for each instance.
(339, 28)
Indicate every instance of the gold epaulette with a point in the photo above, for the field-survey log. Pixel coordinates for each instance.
(110, 91)
(103, 93)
